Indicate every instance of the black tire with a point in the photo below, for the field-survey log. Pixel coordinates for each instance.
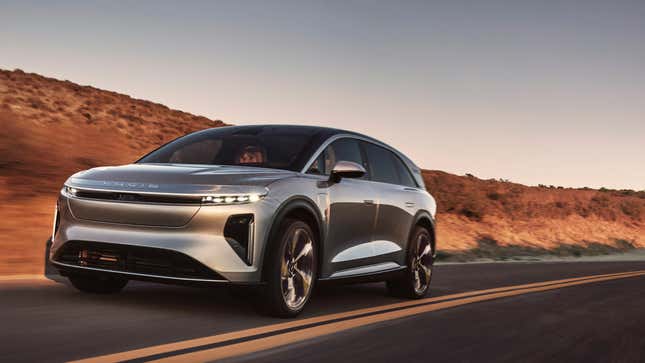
(274, 295)
(98, 284)
(405, 285)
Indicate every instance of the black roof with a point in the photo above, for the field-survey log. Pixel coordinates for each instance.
(317, 134)
(330, 131)
(320, 131)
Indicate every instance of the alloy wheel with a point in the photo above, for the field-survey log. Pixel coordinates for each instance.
(296, 272)
(422, 264)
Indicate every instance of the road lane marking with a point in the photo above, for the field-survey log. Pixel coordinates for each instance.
(274, 341)
(266, 337)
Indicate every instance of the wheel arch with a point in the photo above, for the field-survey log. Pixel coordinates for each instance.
(298, 207)
(424, 219)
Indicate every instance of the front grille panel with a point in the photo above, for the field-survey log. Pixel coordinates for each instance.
(134, 259)
(134, 197)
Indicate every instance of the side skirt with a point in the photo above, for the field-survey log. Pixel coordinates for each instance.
(377, 276)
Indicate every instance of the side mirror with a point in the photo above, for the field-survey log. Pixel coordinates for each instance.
(346, 169)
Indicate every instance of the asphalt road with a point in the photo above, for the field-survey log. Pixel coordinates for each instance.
(596, 321)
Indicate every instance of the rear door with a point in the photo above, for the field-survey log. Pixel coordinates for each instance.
(396, 192)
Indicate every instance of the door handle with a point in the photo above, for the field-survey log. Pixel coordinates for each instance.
(410, 204)
(368, 201)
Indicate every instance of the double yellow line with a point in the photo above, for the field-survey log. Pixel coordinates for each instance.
(262, 338)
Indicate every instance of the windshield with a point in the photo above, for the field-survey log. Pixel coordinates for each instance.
(277, 147)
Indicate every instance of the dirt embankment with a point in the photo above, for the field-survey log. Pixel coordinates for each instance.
(492, 216)
(50, 129)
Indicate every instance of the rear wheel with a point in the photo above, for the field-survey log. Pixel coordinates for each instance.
(291, 269)
(98, 284)
(415, 282)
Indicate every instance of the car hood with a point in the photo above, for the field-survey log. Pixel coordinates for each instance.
(178, 178)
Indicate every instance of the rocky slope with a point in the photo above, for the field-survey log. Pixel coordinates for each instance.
(51, 129)
(493, 215)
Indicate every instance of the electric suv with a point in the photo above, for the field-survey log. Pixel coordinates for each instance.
(280, 207)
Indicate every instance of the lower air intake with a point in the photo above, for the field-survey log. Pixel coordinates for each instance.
(238, 232)
(133, 259)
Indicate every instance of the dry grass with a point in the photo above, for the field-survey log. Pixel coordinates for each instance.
(539, 217)
(50, 129)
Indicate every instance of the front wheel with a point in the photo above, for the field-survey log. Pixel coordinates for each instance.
(291, 269)
(415, 282)
(98, 284)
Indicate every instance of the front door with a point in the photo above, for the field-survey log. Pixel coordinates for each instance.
(351, 209)
(352, 215)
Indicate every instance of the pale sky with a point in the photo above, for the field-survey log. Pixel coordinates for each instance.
(549, 92)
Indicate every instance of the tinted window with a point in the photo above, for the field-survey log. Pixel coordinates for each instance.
(386, 167)
(405, 178)
(342, 149)
(280, 147)
(318, 166)
(382, 164)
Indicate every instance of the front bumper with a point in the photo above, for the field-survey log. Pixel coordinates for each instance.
(200, 240)
(133, 262)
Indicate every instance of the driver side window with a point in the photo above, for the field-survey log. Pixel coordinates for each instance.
(342, 149)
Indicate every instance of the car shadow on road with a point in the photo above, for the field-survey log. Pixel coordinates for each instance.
(217, 301)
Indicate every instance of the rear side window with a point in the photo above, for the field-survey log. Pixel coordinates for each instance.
(386, 167)
(342, 149)
(381, 164)
(405, 177)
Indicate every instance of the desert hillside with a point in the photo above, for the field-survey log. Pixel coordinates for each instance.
(49, 130)
(52, 128)
(480, 214)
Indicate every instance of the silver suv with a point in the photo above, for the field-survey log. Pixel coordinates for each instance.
(279, 207)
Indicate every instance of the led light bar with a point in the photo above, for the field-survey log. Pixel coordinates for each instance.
(231, 199)
(217, 199)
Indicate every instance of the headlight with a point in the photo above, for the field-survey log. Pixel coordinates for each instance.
(232, 199)
(215, 199)
(69, 191)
